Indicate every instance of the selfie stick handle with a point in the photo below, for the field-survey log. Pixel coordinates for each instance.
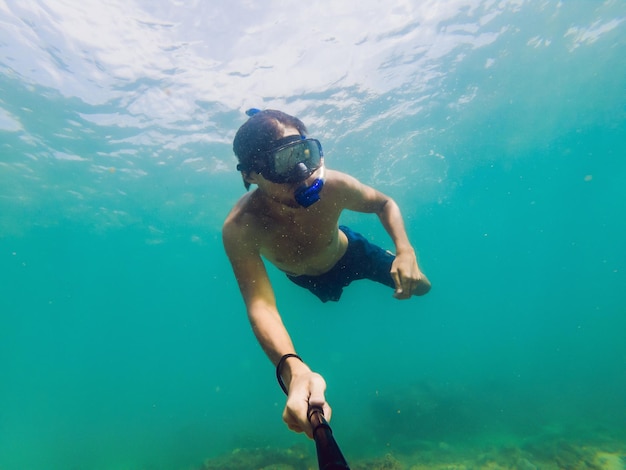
(329, 456)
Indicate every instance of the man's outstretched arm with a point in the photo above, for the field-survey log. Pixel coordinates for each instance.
(303, 385)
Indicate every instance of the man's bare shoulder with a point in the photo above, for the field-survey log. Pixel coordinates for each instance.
(340, 185)
(241, 223)
(346, 188)
(239, 209)
(339, 178)
(354, 195)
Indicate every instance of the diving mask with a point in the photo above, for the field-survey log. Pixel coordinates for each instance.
(294, 159)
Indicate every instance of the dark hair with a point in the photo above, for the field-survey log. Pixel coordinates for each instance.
(259, 134)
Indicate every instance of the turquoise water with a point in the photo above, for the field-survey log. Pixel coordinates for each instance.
(497, 126)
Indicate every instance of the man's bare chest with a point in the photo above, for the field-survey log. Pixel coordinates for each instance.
(301, 247)
(291, 241)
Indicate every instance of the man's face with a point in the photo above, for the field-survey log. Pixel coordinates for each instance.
(293, 171)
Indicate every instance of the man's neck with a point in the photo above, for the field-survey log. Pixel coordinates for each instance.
(277, 203)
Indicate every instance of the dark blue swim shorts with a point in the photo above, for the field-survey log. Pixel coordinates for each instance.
(362, 260)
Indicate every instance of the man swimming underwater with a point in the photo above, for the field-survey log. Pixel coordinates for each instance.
(291, 220)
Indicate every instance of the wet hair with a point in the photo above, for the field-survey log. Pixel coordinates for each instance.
(260, 134)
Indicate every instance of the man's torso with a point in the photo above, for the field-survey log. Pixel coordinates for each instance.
(294, 239)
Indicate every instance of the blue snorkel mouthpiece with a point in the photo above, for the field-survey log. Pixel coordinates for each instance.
(309, 195)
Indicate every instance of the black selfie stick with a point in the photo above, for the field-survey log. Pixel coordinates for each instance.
(329, 456)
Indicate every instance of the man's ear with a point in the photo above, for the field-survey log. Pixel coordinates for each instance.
(249, 177)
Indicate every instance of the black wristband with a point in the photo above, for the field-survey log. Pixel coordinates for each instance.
(279, 367)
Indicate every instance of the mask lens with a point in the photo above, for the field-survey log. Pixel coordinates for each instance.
(294, 162)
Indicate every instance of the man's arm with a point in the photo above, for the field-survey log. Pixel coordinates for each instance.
(303, 385)
(405, 271)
